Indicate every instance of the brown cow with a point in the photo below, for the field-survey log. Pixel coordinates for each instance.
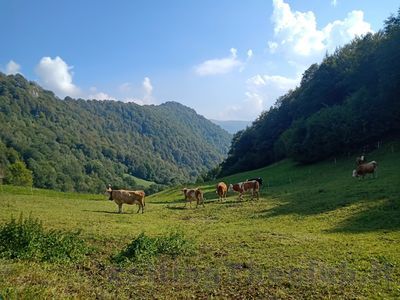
(243, 187)
(193, 194)
(221, 191)
(128, 197)
(363, 169)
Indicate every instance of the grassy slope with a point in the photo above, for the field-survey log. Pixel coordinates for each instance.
(316, 232)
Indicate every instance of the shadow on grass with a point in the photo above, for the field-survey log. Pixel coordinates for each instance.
(110, 212)
(382, 216)
(167, 202)
(177, 207)
(376, 204)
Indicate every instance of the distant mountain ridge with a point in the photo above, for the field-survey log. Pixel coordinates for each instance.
(232, 126)
(82, 145)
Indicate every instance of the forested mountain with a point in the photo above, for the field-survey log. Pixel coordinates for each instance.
(82, 145)
(349, 101)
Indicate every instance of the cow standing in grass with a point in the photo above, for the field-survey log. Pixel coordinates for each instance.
(127, 197)
(193, 195)
(222, 190)
(364, 169)
(243, 187)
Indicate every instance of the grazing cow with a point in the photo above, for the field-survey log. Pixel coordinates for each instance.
(258, 179)
(221, 190)
(193, 194)
(128, 197)
(363, 169)
(243, 187)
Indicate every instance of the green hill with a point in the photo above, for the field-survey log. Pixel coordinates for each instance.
(315, 233)
(349, 102)
(80, 145)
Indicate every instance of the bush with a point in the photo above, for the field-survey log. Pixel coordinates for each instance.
(18, 174)
(144, 248)
(27, 239)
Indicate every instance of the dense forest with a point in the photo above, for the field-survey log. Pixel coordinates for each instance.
(82, 145)
(346, 103)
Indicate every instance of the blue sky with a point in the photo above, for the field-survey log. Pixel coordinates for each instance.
(227, 59)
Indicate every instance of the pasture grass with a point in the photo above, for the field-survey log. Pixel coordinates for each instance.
(315, 233)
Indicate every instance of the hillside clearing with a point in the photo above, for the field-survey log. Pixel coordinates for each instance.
(315, 233)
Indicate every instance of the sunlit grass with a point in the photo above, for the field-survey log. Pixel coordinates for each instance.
(316, 232)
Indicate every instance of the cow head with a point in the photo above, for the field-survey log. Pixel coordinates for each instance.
(230, 188)
(109, 192)
(355, 173)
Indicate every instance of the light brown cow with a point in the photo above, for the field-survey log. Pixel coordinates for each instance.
(127, 197)
(243, 187)
(193, 194)
(222, 190)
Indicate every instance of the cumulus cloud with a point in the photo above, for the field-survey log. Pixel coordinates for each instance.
(56, 75)
(12, 68)
(95, 94)
(219, 65)
(334, 3)
(261, 93)
(147, 89)
(249, 54)
(125, 88)
(296, 32)
(265, 89)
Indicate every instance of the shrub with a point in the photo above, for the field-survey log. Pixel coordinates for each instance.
(18, 174)
(144, 248)
(27, 239)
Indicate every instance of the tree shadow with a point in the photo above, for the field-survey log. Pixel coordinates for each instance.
(377, 204)
(381, 216)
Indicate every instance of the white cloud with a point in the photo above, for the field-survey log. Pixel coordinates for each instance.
(147, 98)
(272, 46)
(265, 89)
(296, 32)
(56, 75)
(273, 81)
(334, 3)
(219, 65)
(125, 88)
(261, 93)
(249, 54)
(341, 32)
(12, 68)
(94, 94)
(148, 88)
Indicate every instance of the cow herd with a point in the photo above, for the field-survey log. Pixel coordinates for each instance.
(252, 185)
(121, 197)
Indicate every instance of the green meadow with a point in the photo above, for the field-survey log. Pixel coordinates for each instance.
(316, 232)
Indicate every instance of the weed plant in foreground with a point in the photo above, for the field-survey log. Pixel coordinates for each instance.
(144, 248)
(26, 239)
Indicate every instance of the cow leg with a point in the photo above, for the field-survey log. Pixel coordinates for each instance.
(139, 206)
(120, 208)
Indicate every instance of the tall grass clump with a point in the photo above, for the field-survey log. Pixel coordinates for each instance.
(26, 239)
(144, 248)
